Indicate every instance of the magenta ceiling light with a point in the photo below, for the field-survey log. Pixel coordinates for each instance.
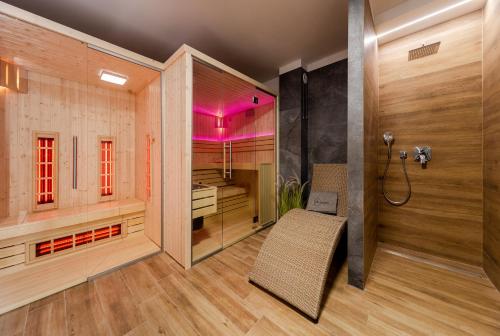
(232, 138)
(232, 108)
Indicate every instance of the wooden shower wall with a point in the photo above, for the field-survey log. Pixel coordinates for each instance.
(148, 123)
(491, 147)
(69, 108)
(435, 101)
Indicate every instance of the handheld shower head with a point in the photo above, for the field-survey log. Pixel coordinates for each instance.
(388, 138)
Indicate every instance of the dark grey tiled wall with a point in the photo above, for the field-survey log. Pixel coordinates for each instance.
(289, 123)
(327, 110)
(327, 113)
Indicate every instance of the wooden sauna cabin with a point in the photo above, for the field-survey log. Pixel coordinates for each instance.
(222, 166)
(81, 182)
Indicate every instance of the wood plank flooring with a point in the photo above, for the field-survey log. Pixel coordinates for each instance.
(157, 297)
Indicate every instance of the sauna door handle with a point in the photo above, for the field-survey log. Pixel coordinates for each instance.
(230, 172)
(230, 160)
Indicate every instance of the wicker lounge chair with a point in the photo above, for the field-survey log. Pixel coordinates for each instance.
(295, 258)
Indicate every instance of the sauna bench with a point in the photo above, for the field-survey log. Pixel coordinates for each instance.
(32, 282)
(204, 200)
(38, 222)
(218, 165)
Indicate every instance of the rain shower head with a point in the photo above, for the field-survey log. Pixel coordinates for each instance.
(423, 51)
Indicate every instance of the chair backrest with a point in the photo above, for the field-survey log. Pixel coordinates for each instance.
(332, 177)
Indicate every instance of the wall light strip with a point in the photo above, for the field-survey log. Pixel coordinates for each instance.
(13, 77)
(423, 18)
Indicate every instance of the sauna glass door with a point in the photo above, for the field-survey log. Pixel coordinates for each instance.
(239, 204)
(208, 166)
(233, 168)
(44, 126)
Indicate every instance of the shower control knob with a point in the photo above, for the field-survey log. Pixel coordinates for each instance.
(423, 155)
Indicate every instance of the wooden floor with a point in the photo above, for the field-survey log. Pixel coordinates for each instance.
(214, 235)
(155, 296)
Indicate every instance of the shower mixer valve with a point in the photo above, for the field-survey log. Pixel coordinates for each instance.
(423, 155)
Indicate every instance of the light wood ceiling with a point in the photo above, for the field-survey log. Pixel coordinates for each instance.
(219, 93)
(39, 50)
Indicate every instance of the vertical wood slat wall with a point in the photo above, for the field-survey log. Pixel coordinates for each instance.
(58, 105)
(177, 153)
(148, 123)
(491, 138)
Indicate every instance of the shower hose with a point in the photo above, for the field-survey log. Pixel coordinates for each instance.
(402, 156)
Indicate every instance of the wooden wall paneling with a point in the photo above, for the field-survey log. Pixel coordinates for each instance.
(69, 108)
(203, 125)
(177, 176)
(148, 123)
(265, 128)
(207, 154)
(4, 154)
(247, 153)
(436, 101)
(91, 155)
(491, 145)
(186, 171)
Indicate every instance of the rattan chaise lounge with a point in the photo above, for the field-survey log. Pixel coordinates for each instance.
(295, 258)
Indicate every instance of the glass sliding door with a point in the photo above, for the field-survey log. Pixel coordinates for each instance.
(240, 215)
(208, 167)
(233, 164)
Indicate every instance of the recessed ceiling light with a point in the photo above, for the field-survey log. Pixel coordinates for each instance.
(423, 18)
(112, 77)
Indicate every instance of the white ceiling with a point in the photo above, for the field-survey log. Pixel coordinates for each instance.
(255, 37)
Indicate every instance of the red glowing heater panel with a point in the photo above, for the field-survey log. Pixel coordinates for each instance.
(107, 168)
(83, 238)
(43, 248)
(102, 233)
(45, 170)
(116, 230)
(148, 166)
(63, 243)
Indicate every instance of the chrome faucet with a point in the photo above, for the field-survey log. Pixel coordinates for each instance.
(423, 154)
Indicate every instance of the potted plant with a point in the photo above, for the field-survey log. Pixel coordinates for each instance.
(291, 194)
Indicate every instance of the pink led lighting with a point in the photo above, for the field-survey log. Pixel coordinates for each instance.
(234, 108)
(213, 122)
(232, 138)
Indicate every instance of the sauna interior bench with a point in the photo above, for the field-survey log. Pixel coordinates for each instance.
(37, 222)
(33, 282)
(24, 280)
